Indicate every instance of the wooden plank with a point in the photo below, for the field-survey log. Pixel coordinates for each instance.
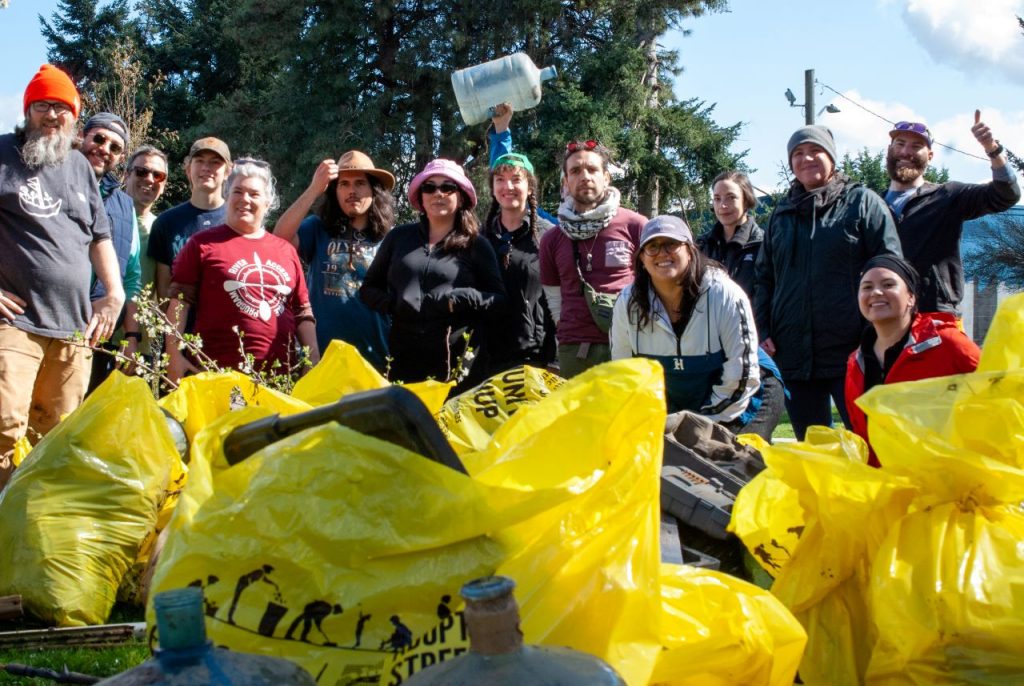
(10, 607)
(85, 636)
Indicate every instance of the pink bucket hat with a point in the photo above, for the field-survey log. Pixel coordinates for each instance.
(449, 170)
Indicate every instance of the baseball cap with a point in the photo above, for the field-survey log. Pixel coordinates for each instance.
(919, 128)
(665, 226)
(213, 145)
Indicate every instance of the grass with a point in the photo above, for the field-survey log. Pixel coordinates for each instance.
(100, 662)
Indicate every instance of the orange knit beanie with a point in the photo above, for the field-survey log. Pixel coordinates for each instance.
(50, 83)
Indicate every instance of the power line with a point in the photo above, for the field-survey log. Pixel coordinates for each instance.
(889, 121)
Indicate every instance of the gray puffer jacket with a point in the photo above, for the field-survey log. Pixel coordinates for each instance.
(808, 273)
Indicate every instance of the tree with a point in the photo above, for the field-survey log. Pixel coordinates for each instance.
(82, 37)
(999, 252)
(870, 170)
(295, 81)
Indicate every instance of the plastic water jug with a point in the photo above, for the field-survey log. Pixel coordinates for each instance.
(186, 657)
(497, 656)
(513, 79)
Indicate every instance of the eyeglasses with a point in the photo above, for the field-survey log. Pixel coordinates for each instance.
(43, 106)
(576, 146)
(114, 147)
(670, 247)
(914, 127)
(446, 188)
(143, 172)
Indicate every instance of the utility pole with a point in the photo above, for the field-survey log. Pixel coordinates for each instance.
(809, 96)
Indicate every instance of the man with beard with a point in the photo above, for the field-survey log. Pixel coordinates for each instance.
(930, 217)
(103, 144)
(206, 167)
(53, 234)
(588, 260)
(807, 276)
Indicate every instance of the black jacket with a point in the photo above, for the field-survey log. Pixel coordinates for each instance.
(522, 331)
(739, 254)
(808, 273)
(930, 229)
(433, 296)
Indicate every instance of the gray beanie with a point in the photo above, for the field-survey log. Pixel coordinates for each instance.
(109, 121)
(815, 133)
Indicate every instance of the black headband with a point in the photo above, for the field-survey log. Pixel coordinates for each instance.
(904, 269)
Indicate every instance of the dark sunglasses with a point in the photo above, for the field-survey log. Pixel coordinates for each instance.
(914, 127)
(576, 146)
(143, 172)
(447, 188)
(114, 147)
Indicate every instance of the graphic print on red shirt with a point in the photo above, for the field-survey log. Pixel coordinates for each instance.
(255, 284)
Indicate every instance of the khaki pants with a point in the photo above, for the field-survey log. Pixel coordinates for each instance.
(41, 379)
(576, 358)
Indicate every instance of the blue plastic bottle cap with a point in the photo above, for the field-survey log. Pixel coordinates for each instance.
(487, 588)
(179, 618)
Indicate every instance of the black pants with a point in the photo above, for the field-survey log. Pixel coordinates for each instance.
(773, 404)
(810, 403)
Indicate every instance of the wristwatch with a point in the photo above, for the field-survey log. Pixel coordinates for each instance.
(997, 152)
(133, 334)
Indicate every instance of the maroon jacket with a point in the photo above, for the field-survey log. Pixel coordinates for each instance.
(936, 347)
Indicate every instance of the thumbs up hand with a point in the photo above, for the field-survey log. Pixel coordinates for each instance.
(983, 134)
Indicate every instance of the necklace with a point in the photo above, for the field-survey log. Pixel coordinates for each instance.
(590, 256)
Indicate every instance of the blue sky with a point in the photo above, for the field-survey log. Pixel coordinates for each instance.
(931, 60)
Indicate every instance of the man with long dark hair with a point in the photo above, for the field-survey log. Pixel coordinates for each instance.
(355, 211)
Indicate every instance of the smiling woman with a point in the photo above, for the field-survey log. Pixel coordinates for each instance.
(439, 282)
(242, 282)
(900, 343)
(686, 314)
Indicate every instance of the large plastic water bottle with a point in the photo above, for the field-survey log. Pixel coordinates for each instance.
(497, 656)
(186, 657)
(514, 79)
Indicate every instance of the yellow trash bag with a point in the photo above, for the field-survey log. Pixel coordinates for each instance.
(342, 370)
(22, 447)
(847, 509)
(1004, 342)
(336, 550)
(946, 582)
(202, 398)
(469, 419)
(720, 631)
(76, 511)
(588, 572)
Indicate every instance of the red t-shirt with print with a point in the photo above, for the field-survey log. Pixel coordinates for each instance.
(254, 283)
(610, 257)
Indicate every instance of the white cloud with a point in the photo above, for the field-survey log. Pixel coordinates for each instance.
(970, 34)
(10, 112)
(854, 129)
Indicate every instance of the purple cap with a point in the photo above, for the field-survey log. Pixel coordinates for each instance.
(916, 127)
(449, 170)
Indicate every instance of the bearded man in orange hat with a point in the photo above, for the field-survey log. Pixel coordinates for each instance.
(54, 235)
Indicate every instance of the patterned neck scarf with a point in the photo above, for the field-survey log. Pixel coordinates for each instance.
(580, 227)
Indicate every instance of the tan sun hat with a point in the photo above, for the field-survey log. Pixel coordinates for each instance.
(353, 160)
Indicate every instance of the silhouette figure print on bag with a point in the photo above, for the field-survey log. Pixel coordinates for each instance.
(313, 614)
(246, 580)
